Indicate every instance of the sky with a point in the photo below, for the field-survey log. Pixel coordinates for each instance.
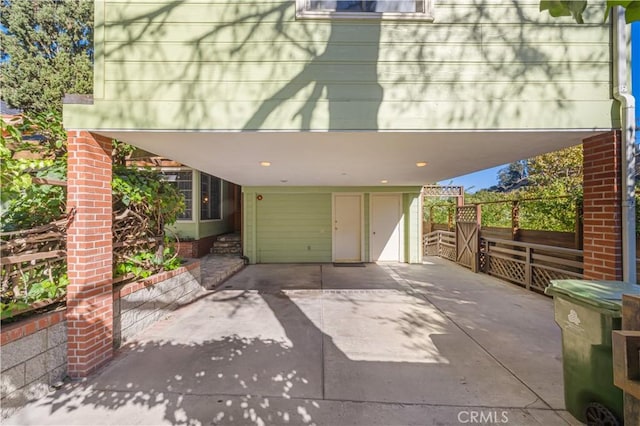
(486, 178)
(476, 181)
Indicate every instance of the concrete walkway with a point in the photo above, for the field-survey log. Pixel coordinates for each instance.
(383, 344)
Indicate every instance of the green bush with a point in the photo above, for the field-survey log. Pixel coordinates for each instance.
(35, 147)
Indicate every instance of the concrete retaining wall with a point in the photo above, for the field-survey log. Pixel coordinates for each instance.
(34, 357)
(138, 305)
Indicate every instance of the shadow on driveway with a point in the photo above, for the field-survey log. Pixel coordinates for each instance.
(346, 346)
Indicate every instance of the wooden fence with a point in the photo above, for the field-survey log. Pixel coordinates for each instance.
(440, 243)
(530, 265)
(569, 240)
(33, 256)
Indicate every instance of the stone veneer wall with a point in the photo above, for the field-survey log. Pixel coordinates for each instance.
(34, 357)
(138, 305)
(34, 350)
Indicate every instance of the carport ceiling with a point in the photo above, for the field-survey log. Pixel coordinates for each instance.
(346, 158)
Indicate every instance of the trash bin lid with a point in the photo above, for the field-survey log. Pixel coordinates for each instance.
(601, 294)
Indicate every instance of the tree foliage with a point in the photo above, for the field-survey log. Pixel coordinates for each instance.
(563, 166)
(496, 207)
(575, 8)
(34, 146)
(47, 51)
(548, 189)
(512, 177)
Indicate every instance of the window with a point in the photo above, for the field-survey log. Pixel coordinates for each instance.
(394, 9)
(183, 180)
(210, 197)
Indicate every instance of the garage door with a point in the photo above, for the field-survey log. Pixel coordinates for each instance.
(293, 228)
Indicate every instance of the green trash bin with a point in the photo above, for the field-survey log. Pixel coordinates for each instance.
(587, 311)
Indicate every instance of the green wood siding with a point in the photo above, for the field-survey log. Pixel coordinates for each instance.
(293, 224)
(413, 228)
(249, 225)
(212, 65)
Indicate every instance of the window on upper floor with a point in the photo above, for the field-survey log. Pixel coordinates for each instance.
(350, 9)
(210, 197)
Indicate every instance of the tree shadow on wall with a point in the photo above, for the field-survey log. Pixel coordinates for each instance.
(247, 62)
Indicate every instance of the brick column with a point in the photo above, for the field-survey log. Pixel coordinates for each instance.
(89, 253)
(602, 215)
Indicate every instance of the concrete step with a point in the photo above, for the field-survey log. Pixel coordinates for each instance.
(216, 269)
(227, 244)
(237, 250)
(229, 237)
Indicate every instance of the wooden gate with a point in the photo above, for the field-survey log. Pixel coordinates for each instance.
(468, 236)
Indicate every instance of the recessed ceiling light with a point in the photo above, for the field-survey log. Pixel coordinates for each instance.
(384, 181)
(265, 163)
(421, 163)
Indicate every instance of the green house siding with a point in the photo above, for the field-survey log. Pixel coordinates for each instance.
(294, 224)
(412, 228)
(482, 64)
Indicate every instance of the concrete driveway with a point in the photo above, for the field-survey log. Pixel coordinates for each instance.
(382, 344)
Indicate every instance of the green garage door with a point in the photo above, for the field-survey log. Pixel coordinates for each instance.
(293, 228)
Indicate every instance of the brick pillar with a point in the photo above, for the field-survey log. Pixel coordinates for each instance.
(602, 223)
(89, 253)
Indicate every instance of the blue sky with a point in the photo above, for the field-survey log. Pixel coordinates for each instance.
(476, 181)
(486, 178)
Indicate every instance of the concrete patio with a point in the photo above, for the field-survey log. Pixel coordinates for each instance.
(388, 344)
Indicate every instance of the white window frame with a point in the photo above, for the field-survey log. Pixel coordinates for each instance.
(168, 170)
(303, 12)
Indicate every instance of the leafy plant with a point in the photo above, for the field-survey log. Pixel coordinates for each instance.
(575, 9)
(145, 263)
(48, 289)
(7, 310)
(34, 147)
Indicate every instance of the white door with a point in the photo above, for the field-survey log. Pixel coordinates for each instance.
(386, 227)
(347, 227)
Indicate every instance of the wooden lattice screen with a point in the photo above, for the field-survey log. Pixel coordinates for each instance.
(443, 191)
(468, 236)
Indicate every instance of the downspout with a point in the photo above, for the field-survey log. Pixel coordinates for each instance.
(627, 151)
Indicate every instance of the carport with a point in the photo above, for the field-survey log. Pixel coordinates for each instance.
(386, 343)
